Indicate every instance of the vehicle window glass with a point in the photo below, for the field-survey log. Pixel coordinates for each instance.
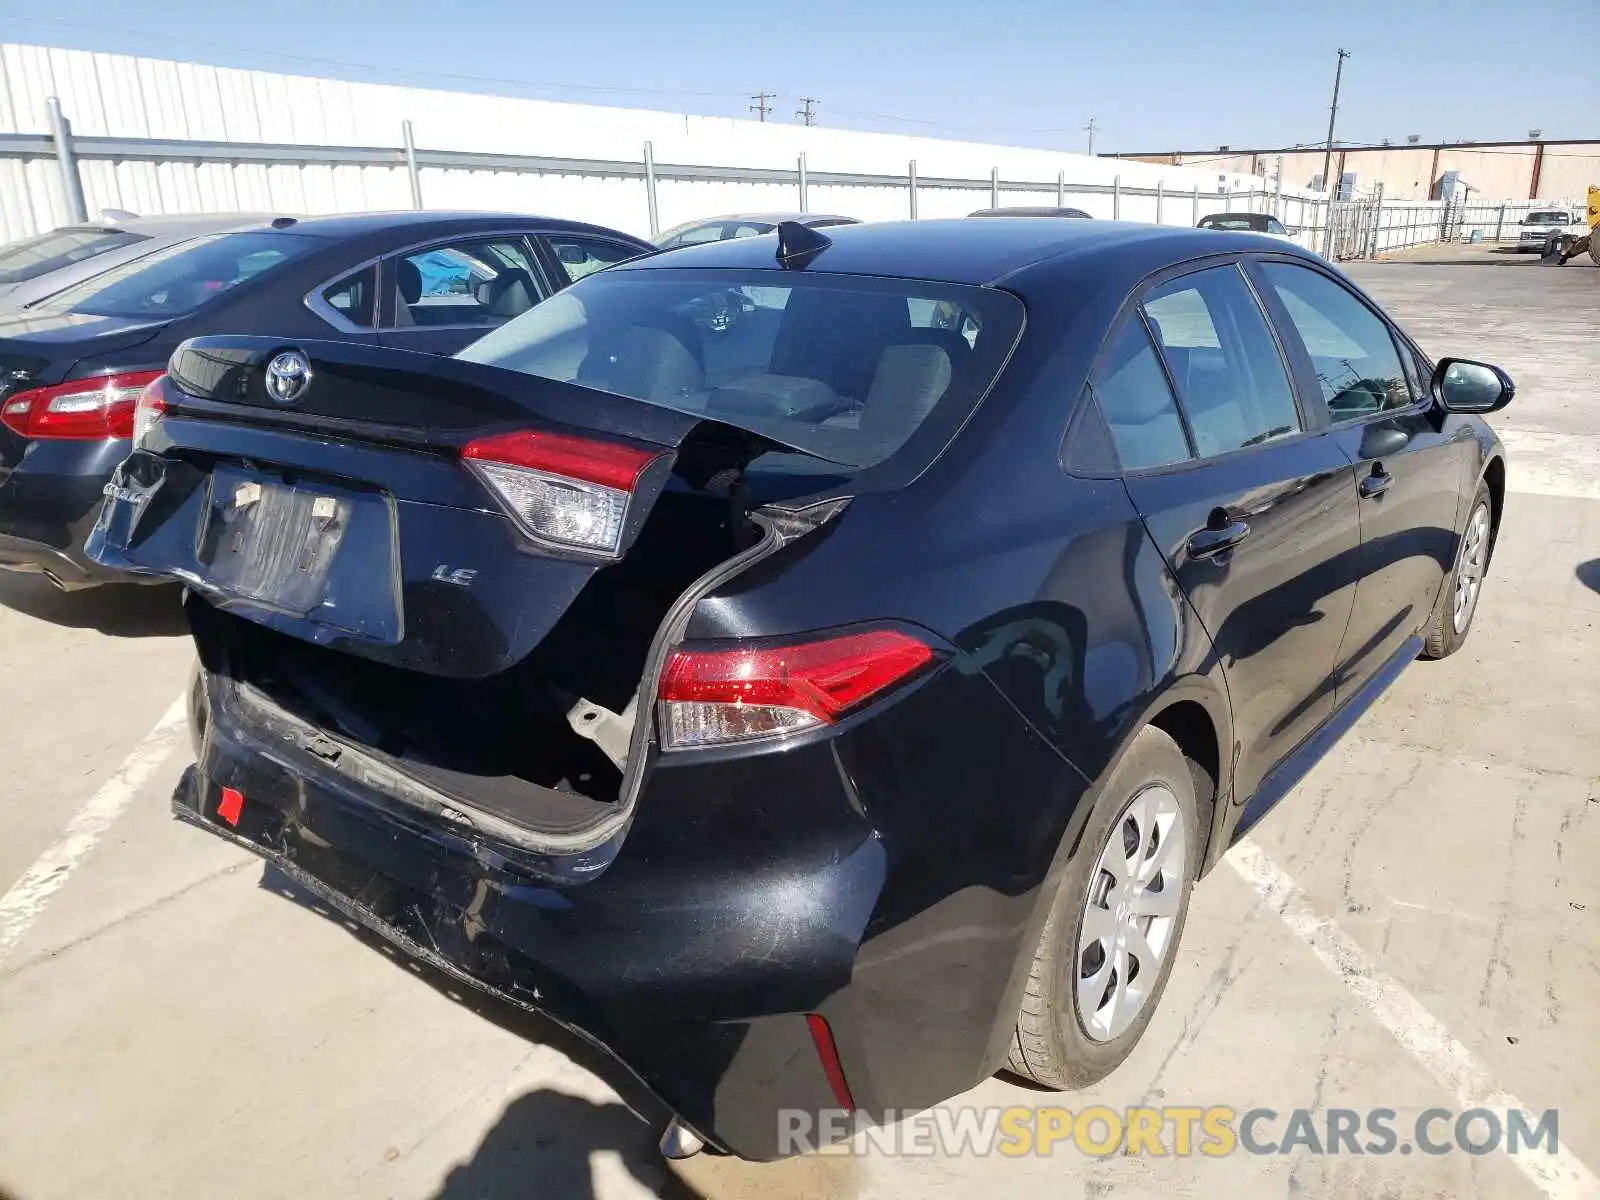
(1219, 348)
(1137, 403)
(1275, 226)
(1358, 366)
(833, 366)
(36, 256)
(182, 277)
(475, 281)
(752, 229)
(580, 256)
(695, 235)
(353, 296)
(1547, 218)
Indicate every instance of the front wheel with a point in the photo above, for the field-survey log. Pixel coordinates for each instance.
(1112, 934)
(1458, 598)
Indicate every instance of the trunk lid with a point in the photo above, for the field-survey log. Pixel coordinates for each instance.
(387, 503)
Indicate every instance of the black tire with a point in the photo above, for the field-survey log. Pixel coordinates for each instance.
(1051, 1045)
(1442, 637)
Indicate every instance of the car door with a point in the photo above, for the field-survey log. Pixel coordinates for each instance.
(1252, 504)
(441, 296)
(1409, 471)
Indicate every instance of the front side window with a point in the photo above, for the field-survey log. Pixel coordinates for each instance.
(838, 367)
(36, 256)
(179, 279)
(1358, 368)
(1137, 403)
(1222, 357)
(580, 256)
(693, 235)
(474, 281)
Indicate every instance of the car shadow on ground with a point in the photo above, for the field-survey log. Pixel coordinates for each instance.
(1588, 574)
(120, 610)
(543, 1142)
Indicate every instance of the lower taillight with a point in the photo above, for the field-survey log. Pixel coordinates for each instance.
(712, 697)
(84, 410)
(570, 491)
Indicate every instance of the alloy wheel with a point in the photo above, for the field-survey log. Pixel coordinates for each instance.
(1131, 912)
(1470, 569)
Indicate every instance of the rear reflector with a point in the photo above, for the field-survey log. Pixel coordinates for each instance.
(571, 491)
(718, 697)
(828, 1055)
(231, 805)
(84, 410)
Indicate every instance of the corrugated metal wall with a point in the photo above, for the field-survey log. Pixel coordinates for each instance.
(118, 95)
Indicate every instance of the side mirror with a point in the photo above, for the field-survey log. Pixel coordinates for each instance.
(1464, 386)
(572, 256)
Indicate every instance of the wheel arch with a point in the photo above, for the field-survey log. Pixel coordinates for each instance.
(1494, 477)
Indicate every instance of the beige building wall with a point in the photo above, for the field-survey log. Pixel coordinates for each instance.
(1412, 172)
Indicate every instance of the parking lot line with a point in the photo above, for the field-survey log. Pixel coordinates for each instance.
(21, 905)
(1562, 1175)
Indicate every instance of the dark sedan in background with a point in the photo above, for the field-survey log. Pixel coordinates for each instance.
(73, 366)
(817, 666)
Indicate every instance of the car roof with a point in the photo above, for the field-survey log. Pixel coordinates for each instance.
(426, 222)
(770, 218)
(963, 250)
(1026, 211)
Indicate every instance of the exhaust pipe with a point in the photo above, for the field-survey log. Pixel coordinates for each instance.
(60, 584)
(680, 1142)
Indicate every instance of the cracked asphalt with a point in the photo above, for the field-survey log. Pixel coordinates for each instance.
(177, 1022)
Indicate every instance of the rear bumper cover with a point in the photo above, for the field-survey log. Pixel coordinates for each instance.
(48, 504)
(749, 893)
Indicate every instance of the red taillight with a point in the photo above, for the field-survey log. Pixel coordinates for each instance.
(828, 1056)
(572, 491)
(85, 409)
(715, 697)
(605, 463)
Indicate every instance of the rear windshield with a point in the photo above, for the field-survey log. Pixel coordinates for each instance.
(180, 278)
(35, 256)
(840, 367)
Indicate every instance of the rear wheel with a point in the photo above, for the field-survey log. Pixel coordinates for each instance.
(1112, 934)
(1458, 598)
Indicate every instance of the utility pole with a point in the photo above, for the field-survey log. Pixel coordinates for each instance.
(761, 106)
(808, 114)
(1333, 112)
(1090, 129)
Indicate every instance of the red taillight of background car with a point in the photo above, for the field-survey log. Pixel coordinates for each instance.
(722, 696)
(84, 410)
(571, 491)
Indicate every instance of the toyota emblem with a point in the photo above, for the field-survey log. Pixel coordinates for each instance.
(288, 376)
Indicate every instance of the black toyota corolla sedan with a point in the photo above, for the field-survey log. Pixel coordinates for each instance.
(816, 666)
(72, 366)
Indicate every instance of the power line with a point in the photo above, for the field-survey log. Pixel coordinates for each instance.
(808, 114)
(761, 106)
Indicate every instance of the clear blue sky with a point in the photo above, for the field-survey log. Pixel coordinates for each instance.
(1155, 74)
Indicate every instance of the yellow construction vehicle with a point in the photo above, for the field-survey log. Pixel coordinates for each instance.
(1563, 247)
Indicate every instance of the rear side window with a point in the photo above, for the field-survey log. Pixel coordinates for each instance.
(355, 297)
(36, 256)
(1358, 367)
(1137, 403)
(1223, 359)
